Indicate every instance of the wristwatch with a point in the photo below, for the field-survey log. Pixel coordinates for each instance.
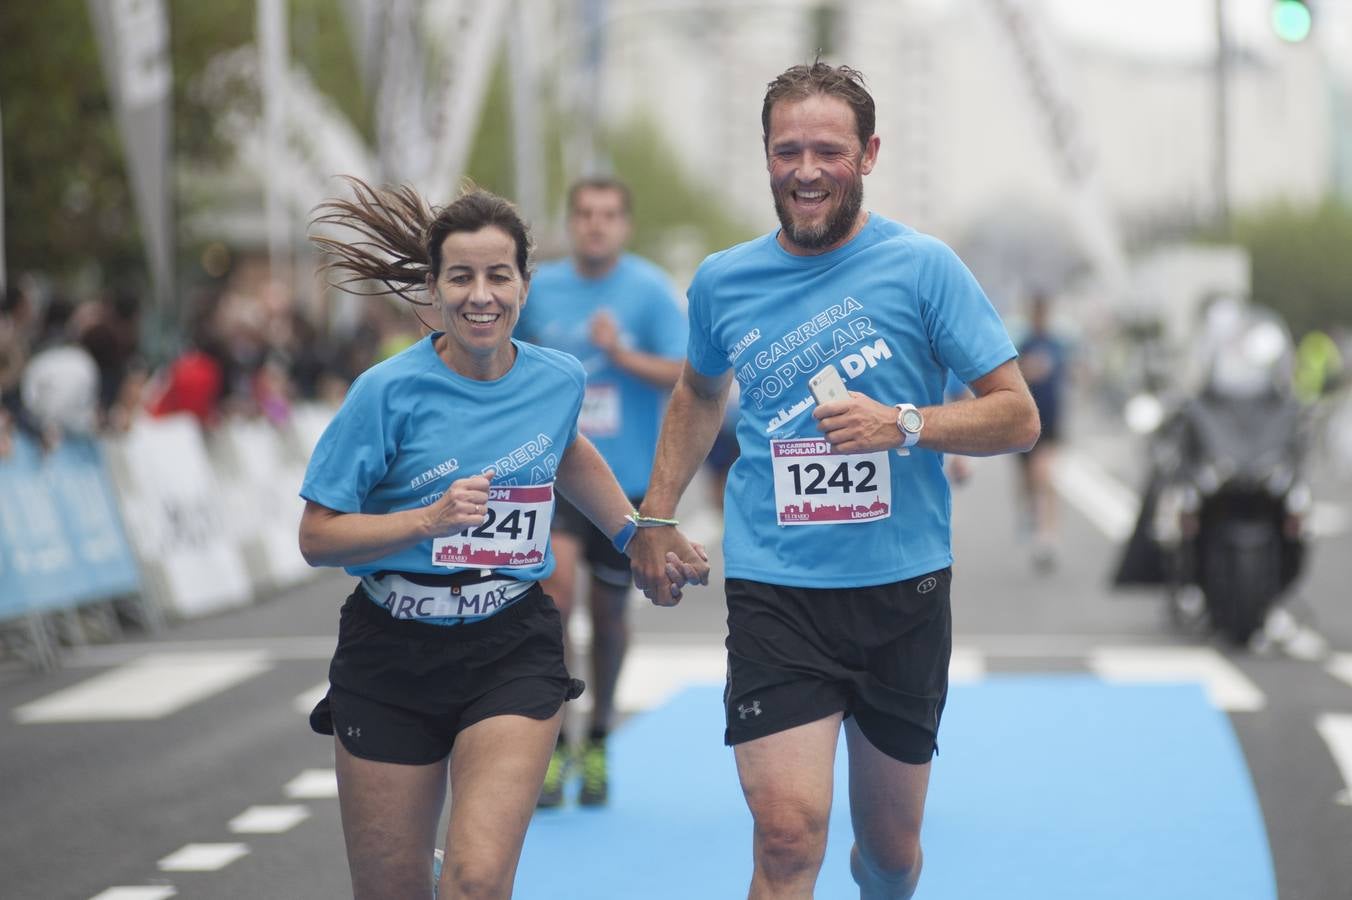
(909, 423)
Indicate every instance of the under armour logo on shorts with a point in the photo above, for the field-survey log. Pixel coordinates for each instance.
(927, 585)
(753, 709)
(353, 732)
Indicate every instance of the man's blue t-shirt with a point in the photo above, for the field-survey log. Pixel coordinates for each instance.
(410, 426)
(894, 310)
(622, 414)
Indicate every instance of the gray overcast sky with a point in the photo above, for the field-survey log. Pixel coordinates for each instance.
(1185, 29)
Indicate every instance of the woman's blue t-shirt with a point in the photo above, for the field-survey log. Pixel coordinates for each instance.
(410, 426)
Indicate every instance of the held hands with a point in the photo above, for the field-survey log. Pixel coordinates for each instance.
(664, 562)
(465, 503)
(859, 424)
(604, 333)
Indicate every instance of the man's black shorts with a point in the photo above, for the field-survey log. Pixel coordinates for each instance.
(607, 563)
(401, 690)
(880, 654)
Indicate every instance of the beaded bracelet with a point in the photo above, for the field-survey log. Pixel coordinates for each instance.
(620, 540)
(642, 521)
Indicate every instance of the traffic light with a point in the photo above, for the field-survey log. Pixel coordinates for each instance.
(1292, 20)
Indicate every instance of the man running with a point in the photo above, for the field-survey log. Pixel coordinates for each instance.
(836, 546)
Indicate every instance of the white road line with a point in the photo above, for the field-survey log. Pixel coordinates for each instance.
(653, 673)
(1340, 666)
(1327, 520)
(1226, 686)
(1336, 730)
(269, 819)
(149, 688)
(1112, 506)
(966, 665)
(143, 892)
(580, 630)
(302, 647)
(305, 701)
(1051, 646)
(203, 857)
(1102, 499)
(313, 784)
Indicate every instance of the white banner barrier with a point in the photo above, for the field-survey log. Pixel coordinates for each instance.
(308, 422)
(261, 473)
(172, 506)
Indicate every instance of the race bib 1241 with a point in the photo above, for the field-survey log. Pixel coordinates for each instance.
(513, 535)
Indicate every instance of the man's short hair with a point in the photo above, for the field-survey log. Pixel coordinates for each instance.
(600, 183)
(801, 82)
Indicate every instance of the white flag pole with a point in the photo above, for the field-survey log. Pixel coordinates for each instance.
(3, 282)
(273, 56)
(133, 41)
(528, 156)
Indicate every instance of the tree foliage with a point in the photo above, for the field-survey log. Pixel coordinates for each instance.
(68, 202)
(666, 200)
(66, 191)
(1302, 266)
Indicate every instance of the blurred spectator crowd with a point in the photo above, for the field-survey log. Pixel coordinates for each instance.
(243, 348)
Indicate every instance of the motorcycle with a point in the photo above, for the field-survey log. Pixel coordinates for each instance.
(1222, 524)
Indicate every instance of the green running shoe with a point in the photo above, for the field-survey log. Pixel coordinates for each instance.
(551, 792)
(595, 786)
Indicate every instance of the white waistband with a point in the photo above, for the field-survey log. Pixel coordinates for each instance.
(405, 599)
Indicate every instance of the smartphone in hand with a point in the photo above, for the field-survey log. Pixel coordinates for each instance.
(827, 386)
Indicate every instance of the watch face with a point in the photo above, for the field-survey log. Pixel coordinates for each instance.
(911, 420)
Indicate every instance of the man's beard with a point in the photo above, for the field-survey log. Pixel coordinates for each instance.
(835, 226)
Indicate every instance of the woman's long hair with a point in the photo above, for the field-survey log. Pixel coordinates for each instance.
(399, 236)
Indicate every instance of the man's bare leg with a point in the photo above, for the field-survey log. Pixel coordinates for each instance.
(887, 806)
(788, 779)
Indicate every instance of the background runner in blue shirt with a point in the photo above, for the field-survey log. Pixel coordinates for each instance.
(617, 314)
(836, 547)
(1044, 361)
(435, 484)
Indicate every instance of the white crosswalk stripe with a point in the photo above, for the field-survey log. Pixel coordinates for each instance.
(1100, 498)
(966, 665)
(158, 685)
(1112, 506)
(141, 892)
(269, 819)
(313, 784)
(148, 688)
(1340, 667)
(1228, 687)
(203, 857)
(306, 700)
(1336, 730)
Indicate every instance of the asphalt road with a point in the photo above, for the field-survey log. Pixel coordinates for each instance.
(90, 805)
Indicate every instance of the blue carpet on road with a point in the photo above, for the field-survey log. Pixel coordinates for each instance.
(1045, 787)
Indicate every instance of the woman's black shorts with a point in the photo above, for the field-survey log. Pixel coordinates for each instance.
(796, 655)
(401, 690)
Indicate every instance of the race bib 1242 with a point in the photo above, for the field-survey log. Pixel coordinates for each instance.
(814, 485)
